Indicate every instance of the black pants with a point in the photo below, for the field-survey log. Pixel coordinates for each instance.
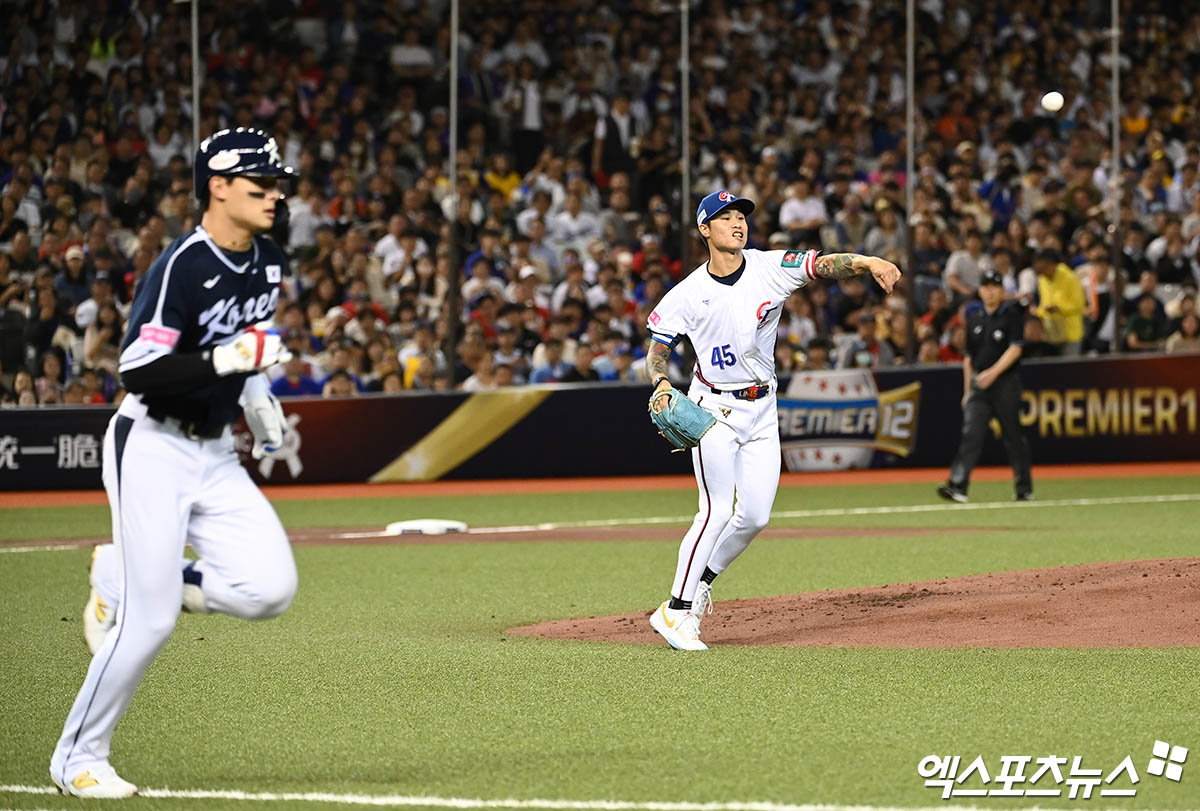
(1001, 400)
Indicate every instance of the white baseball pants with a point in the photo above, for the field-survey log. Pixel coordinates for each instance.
(166, 490)
(737, 459)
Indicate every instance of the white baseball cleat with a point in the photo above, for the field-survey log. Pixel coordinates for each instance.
(100, 782)
(680, 627)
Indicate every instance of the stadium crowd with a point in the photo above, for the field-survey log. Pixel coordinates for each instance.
(567, 229)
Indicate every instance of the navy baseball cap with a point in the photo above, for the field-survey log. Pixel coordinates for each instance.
(242, 151)
(991, 277)
(718, 201)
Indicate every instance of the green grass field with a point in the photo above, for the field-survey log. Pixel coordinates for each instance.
(391, 675)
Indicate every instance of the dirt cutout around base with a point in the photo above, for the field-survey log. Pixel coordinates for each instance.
(1141, 603)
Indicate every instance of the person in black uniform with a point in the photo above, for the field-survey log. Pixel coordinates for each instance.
(198, 339)
(991, 388)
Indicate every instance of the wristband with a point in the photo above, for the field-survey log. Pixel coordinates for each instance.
(660, 379)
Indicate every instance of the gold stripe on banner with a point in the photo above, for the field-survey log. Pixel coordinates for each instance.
(470, 428)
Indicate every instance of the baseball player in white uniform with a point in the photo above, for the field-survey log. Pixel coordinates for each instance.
(729, 308)
(192, 362)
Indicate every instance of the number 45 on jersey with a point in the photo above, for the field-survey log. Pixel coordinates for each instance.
(722, 357)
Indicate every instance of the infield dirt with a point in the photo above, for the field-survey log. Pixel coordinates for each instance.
(1142, 603)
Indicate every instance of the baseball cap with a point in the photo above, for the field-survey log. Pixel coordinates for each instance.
(990, 277)
(74, 252)
(718, 201)
(527, 271)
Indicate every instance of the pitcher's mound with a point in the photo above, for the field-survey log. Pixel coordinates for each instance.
(1140, 603)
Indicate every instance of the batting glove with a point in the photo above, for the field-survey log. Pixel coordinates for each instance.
(264, 417)
(252, 350)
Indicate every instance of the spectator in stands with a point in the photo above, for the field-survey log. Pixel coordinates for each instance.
(887, 238)
(955, 345)
(483, 376)
(102, 339)
(73, 283)
(803, 214)
(1187, 337)
(46, 317)
(93, 387)
(866, 351)
(965, 267)
(582, 371)
(554, 367)
(101, 293)
(339, 384)
(1146, 330)
(817, 354)
(929, 351)
(508, 354)
(295, 382)
(1035, 345)
(49, 385)
(1061, 303)
(94, 164)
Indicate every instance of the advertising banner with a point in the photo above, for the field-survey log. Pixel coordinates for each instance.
(1088, 410)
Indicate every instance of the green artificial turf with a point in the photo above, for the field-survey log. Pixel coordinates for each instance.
(391, 673)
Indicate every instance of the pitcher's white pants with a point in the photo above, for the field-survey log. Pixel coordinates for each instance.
(737, 459)
(166, 490)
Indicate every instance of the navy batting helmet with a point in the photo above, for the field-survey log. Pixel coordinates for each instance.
(242, 151)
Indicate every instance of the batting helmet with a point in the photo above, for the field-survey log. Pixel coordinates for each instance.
(241, 151)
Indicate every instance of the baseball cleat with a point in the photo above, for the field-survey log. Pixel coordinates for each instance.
(951, 493)
(1023, 497)
(100, 782)
(680, 627)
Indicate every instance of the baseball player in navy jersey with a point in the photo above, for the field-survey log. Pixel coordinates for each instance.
(729, 308)
(191, 362)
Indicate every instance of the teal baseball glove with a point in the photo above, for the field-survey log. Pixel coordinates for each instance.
(681, 421)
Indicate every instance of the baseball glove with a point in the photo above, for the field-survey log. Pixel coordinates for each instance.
(681, 421)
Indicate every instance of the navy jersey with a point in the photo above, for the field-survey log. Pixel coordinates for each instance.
(194, 297)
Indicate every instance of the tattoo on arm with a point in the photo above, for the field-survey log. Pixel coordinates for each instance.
(840, 265)
(656, 360)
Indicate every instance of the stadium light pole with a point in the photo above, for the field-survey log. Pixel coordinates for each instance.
(453, 305)
(195, 78)
(685, 174)
(1117, 287)
(195, 75)
(910, 135)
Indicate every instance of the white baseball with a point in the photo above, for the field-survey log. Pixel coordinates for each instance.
(1053, 101)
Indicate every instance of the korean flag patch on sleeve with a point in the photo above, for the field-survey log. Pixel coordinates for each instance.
(274, 273)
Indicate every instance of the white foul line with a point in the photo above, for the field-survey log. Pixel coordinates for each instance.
(400, 800)
(55, 548)
(684, 519)
(826, 513)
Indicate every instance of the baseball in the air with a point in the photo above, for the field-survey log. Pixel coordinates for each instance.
(1053, 101)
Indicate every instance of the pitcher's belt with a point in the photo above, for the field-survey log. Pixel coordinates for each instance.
(748, 393)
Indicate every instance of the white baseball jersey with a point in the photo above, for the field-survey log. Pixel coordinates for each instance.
(732, 326)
